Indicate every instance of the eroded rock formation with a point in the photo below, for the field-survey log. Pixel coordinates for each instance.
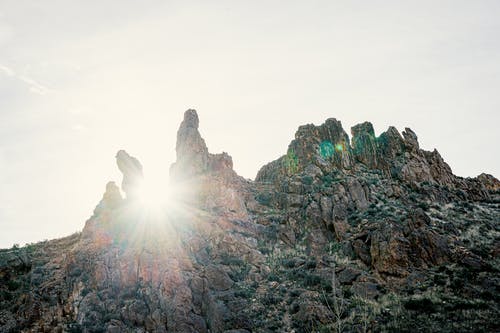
(375, 224)
(131, 169)
(192, 152)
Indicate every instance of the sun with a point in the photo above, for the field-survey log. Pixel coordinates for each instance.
(153, 196)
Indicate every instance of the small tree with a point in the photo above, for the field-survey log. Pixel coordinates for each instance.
(338, 304)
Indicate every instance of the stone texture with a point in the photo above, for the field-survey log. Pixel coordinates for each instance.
(217, 278)
(489, 182)
(364, 144)
(111, 199)
(192, 152)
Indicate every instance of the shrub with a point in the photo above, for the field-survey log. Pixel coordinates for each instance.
(420, 305)
(264, 198)
(13, 285)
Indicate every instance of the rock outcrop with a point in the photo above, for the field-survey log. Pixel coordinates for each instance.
(193, 158)
(369, 234)
(328, 148)
(206, 180)
(489, 182)
(192, 152)
(364, 144)
(131, 169)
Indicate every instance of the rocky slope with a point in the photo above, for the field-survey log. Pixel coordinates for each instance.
(363, 235)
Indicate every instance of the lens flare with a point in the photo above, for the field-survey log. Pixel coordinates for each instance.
(326, 149)
(153, 196)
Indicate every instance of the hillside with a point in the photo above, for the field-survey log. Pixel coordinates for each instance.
(362, 234)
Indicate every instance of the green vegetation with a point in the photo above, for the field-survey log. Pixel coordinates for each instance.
(291, 162)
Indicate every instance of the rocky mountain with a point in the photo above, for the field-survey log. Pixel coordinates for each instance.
(368, 234)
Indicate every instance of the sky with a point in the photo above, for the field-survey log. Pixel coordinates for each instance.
(80, 80)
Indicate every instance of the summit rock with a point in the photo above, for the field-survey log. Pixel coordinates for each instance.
(193, 158)
(191, 150)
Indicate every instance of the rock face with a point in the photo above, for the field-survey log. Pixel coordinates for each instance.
(369, 234)
(206, 180)
(489, 182)
(328, 147)
(132, 173)
(111, 199)
(193, 158)
(364, 144)
(192, 152)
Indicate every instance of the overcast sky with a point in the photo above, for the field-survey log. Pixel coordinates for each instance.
(80, 80)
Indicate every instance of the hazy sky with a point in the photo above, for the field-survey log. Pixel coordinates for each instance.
(80, 80)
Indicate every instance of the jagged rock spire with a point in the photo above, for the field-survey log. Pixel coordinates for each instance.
(411, 139)
(132, 173)
(364, 144)
(192, 152)
(327, 146)
(111, 199)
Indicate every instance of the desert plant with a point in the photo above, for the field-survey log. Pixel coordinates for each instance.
(366, 311)
(337, 305)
